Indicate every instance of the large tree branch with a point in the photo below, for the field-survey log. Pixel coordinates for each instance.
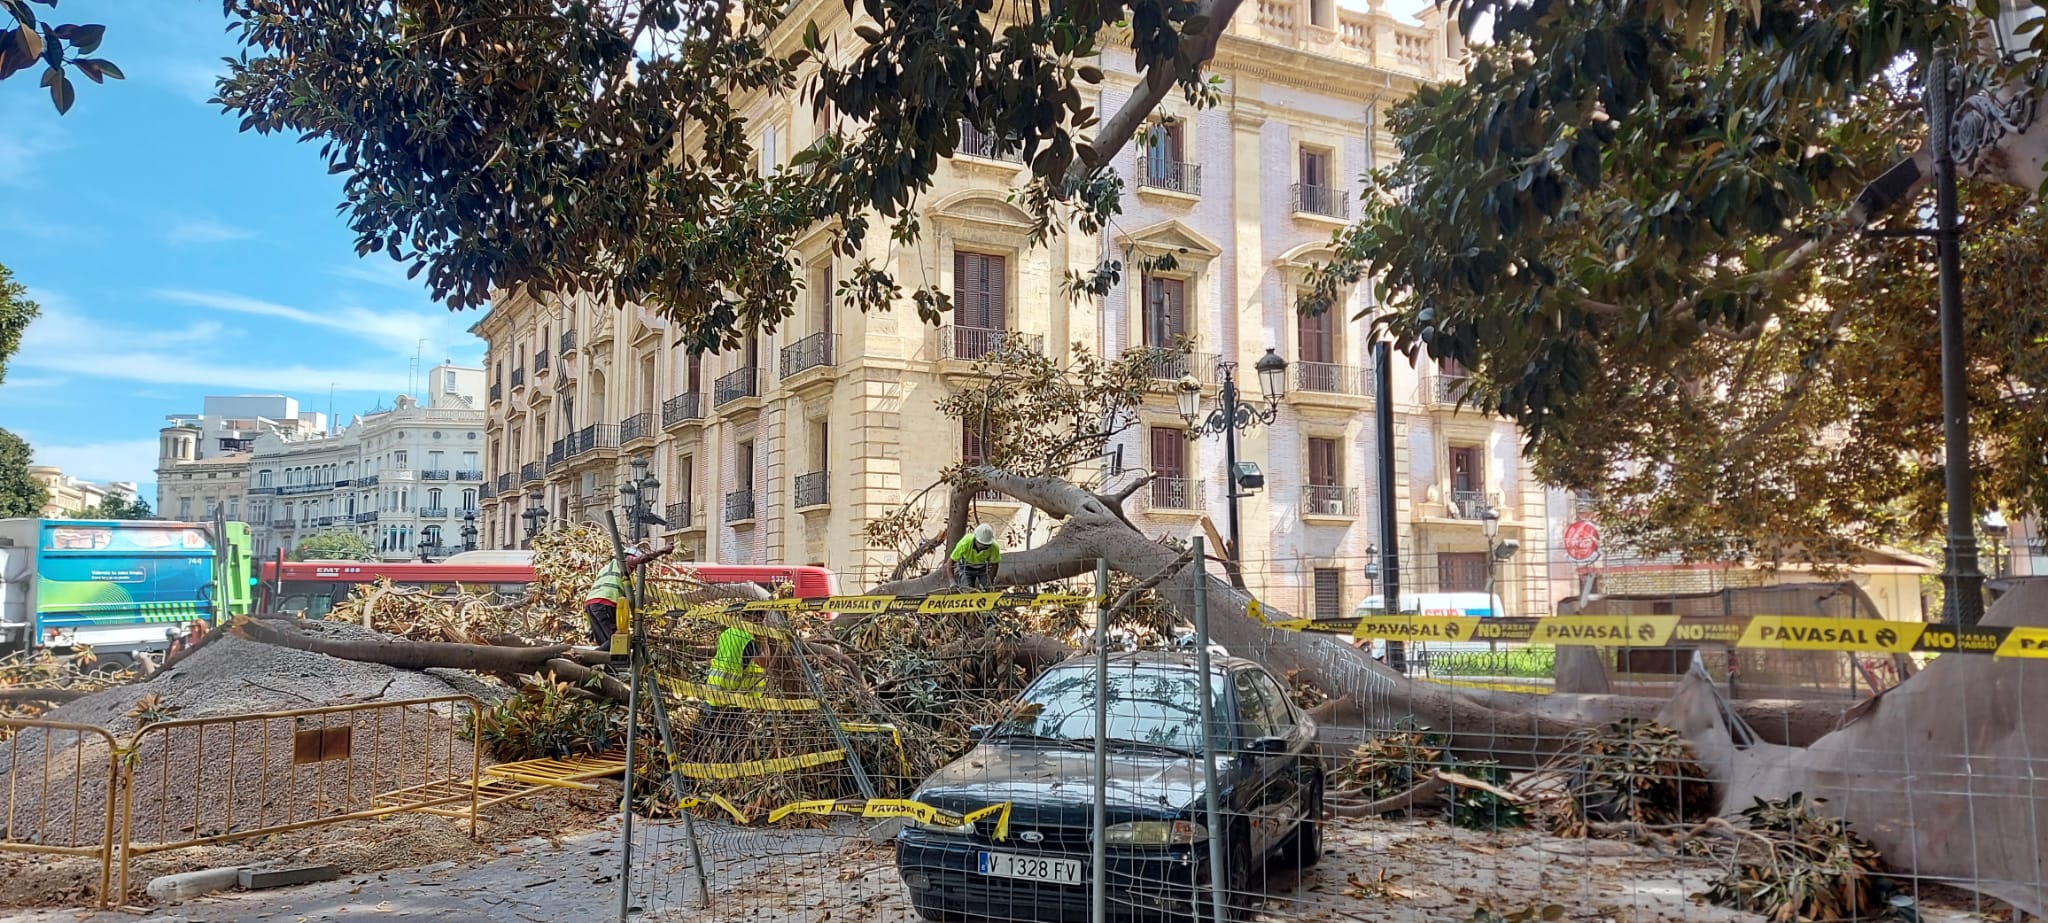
(1195, 51)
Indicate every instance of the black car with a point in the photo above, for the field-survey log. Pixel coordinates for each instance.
(1041, 763)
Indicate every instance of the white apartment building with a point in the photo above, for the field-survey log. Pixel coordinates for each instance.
(402, 479)
(68, 494)
(784, 449)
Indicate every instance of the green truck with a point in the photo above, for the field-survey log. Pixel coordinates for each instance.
(118, 586)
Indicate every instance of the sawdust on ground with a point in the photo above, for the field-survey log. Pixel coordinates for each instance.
(357, 847)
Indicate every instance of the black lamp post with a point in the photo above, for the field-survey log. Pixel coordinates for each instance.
(427, 550)
(1995, 529)
(533, 515)
(1489, 522)
(469, 530)
(1227, 419)
(641, 492)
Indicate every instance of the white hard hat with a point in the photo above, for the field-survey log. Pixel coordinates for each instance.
(985, 534)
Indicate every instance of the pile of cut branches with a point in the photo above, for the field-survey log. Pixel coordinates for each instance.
(1389, 775)
(36, 682)
(1626, 777)
(1791, 863)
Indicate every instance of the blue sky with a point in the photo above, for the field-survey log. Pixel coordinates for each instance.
(176, 257)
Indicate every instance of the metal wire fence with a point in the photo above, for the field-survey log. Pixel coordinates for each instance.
(1741, 753)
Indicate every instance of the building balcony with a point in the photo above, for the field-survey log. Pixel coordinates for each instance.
(518, 379)
(558, 454)
(977, 143)
(678, 516)
(736, 385)
(370, 481)
(469, 474)
(283, 523)
(324, 521)
(681, 409)
(1170, 175)
(1322, 201)
(402, 475)
(1329, 500)
(504, 484)
(739, 506)
(811, 490)
(1445, 390)
(1173, 365)
(1467, 504)
(1174, 495)
(433, 512)
(366, 517)
(540, 362)
(972, 343)
(262, 491)
(434, 474)
(568, 342)
(811, 352)
(635, 428)
(531, 472)
(497, 391)
(343, 482)
(595, 438)
(293, 490)
(1329, 378)
(487, 491)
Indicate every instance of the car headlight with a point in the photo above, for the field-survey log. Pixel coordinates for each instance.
(1154, 833)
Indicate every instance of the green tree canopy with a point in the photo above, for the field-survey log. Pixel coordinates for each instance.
(16, 312)
(20, 494)
(595, 146)
(117, 507)
(1639, 227)
(334, 545)
(61, 48)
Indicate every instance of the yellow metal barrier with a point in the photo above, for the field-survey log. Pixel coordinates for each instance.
(50, 765)
(231, 777)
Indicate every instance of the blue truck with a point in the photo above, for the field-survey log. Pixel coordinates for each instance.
(118, 586)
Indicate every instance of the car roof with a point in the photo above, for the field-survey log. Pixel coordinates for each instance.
(1174, 660)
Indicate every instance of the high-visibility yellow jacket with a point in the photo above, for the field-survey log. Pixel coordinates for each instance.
(730, 669)
(610, 585)
(965, 552)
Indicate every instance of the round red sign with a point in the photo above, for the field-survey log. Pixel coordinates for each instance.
(1582, 541)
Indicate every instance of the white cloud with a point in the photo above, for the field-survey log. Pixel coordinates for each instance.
(29, 136)
(65, 341)
(398, 331)
(22, 382)
(123, 460)
(195, 231)
(380, 270)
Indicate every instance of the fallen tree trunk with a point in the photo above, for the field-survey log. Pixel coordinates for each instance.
(1520, 733)
(51, 696)
(407, 655)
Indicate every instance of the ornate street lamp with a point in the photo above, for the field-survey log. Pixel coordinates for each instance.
(1228, 419)
(469, 530)
(535, 513)
(641, 492)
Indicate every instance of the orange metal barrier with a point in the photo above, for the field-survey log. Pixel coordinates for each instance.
(52, 769)
(213, 780)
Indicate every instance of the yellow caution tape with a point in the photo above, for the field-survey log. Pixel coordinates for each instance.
(1417, 627)
(776, 605)
(879, 808)
(2025, 642)
(753, 768)
(698, 801)
(725, 698)
(1064, 599)
(959, 602)
(857, 603)
(1605, 630)
(1813, 633)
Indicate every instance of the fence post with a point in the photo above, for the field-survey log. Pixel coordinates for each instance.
(1099, 890)
(1217, 872)
(675, 778)
(611, 520)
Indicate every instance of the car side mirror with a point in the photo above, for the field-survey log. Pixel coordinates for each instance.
(1267, 745)
(979, 732)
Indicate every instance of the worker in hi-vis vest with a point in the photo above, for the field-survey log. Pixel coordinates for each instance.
(976, 558)
(733, 668)
(605, 601)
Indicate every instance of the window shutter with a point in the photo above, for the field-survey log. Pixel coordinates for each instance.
(1169, 452)
(1322, 462)
(996, 314)
(1316, 345)
(1329, 593)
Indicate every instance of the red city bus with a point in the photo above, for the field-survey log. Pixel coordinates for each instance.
(312, 588)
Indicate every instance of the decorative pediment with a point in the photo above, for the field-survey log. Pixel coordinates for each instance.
(1169, 237)
(979, 206)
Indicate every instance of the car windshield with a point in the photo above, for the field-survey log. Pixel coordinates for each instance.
(1148, 704)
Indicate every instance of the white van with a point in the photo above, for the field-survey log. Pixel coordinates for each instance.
(1483, 605)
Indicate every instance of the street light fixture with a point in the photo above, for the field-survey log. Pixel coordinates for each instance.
(1372, 571)
(641, 492)
(1228, 419)
(1995, 528)
(469, 530)
(533, 515)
